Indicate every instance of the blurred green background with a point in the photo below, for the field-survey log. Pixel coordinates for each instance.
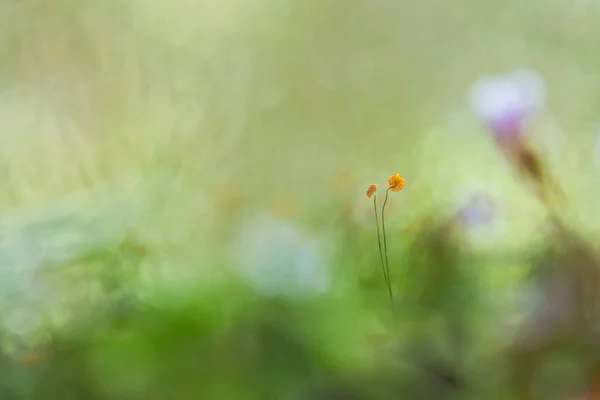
(139, 138)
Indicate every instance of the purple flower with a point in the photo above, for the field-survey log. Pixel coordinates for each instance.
(506, 103)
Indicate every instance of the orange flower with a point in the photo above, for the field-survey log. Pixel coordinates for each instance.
(396, 182)
(371, 191)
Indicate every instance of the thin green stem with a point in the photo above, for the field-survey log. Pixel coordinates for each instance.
(387, 264)
(385, 277)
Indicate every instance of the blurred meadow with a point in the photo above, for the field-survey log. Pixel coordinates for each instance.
(183, 210)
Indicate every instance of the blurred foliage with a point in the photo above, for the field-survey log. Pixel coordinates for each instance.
(139, 136)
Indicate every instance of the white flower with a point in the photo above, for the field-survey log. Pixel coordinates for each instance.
(277, 259)
(596, 158)
(479, 210)
(506, 103)
(481, 215)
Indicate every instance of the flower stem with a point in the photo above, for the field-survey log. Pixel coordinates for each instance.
(385, 276)
(387, 264)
